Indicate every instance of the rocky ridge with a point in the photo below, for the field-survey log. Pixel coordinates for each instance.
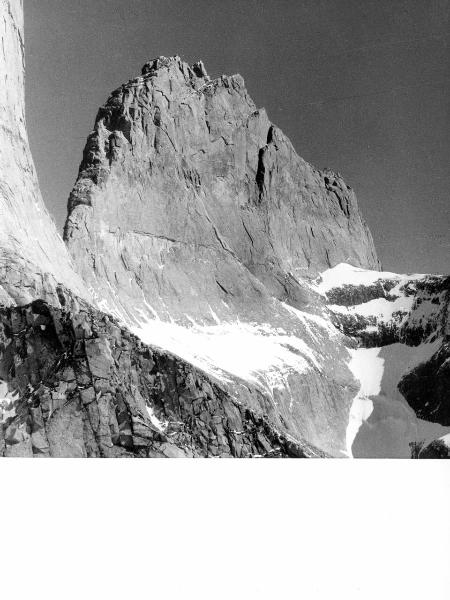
(85, 387)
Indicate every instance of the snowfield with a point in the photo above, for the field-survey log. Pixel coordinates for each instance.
(345, 274)
(254, 353)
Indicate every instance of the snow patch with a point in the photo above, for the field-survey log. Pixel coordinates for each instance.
(367, 368)
(445, 439)
(8, 401)
(253, 352)
(160, 425)
(345, 274)
(379, 307)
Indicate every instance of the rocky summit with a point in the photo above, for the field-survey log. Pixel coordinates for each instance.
(214, 294)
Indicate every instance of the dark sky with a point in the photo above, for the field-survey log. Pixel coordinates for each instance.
(360, 86)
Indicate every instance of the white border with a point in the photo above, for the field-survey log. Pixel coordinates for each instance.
(224, 529)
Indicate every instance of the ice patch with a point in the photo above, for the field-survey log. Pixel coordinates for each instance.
(367, 368)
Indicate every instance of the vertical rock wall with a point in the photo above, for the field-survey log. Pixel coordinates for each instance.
(33, 258)
(188, 199)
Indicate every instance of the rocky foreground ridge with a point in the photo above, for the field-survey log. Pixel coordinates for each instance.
(215, 296)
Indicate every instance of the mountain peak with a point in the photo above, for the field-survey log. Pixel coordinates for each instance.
(197, 69)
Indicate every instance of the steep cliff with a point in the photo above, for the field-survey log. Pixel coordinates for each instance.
(34, 262)
(188, 199)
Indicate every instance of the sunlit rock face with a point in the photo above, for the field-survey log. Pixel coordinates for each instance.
(190, 200)
(34, 262)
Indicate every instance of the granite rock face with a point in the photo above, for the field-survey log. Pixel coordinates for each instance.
(189, 199)
(34, 262)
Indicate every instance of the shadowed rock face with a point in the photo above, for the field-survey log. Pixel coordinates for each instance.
(189, 198)
(33, 259)
(427, 387)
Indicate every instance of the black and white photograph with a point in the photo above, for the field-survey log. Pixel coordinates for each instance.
(224, 234)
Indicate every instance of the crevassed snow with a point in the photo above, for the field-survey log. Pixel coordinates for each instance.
(252, 352)
(367, 368)
(344, 273)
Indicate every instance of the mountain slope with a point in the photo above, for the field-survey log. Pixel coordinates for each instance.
(84, 387)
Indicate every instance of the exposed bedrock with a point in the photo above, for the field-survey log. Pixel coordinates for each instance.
(79, 385)
(189, 198)
(427, 387)
(33, 258)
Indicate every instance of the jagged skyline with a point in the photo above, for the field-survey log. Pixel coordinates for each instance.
(359, 87)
